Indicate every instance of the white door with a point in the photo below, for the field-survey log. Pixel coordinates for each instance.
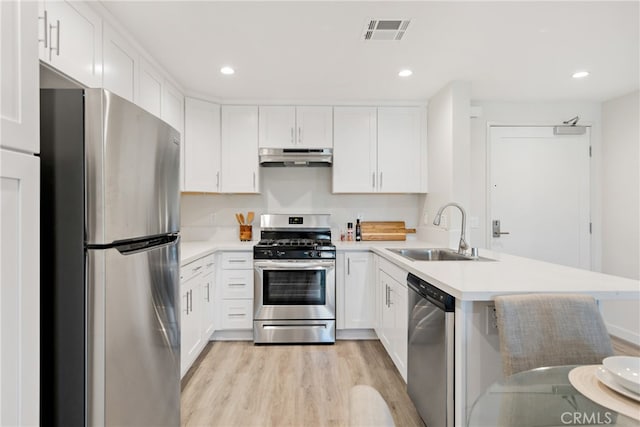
(354, 150)
(72, 40)
(315, 128)
(120, 65)
(239, 141)
(539, 191)
(277, 127)
(149, 94)
(201, 146)
(19, 103)
(358, 298)
(19, 288)
(399, 150)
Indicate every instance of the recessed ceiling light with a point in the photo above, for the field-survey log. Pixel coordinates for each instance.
(227, 70)
(405, 73)
(580, 74)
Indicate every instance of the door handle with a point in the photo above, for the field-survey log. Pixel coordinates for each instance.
(292, 136)
(348, 266)
(299, 135)
(57, 48)
(218, 180)
(496, 228)
(373, 180)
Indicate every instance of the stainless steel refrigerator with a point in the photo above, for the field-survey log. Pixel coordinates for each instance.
(110, 350)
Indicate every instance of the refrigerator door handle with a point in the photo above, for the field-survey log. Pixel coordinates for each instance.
(135, 246)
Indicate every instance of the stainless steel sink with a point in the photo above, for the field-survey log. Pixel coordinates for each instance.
(435, 254)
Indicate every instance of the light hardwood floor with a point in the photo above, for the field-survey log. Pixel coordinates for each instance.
(240, 384)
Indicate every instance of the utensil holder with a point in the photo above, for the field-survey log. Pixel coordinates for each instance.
(246, 233)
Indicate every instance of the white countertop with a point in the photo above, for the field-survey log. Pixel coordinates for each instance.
(471, 280)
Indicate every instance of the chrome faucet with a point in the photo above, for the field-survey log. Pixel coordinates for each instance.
(463, 246)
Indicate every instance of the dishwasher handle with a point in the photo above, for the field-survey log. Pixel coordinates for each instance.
(432, 294)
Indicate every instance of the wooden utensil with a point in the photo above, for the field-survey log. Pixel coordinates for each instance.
(250, 216)
(238, 219)
(241, 219)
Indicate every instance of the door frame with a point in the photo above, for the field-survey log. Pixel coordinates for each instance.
(594, 186)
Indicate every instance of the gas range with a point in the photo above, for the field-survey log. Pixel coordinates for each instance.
(295, 237)
(294, 280)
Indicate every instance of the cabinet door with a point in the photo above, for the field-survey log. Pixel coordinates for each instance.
(120, 64)
(19, 287)
(191, 320)
(149, 94)
(314, 127)
(72, 42)
(277, 127)
(354, 150)
(172, 108)
(387, 317)
(400, 300)
(201, 146)
(358, 291)
(239, 141)
(400, 163)
(19, 103)
(208, 308)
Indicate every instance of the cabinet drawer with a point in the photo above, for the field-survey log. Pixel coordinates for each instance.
(188, 271)
(237, 314)
(237, 260)
(209, 263)
(237, 284)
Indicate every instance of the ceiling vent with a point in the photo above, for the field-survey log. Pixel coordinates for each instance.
(385, 29)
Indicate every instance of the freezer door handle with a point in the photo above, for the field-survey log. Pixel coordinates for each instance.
(135, 246)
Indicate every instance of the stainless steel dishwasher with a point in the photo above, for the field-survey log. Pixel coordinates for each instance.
(430, 355)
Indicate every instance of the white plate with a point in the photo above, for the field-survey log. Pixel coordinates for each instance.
(609, 380)
(626, 370)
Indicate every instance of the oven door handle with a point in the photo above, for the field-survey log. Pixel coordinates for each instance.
(316, 265)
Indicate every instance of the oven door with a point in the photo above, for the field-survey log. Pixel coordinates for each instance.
(294, 290)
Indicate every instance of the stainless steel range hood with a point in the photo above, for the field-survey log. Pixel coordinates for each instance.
(296, 157)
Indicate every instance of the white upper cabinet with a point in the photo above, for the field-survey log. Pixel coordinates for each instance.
(379, 150)
(120, 64)
(201, 146)
(149, 94)
(19, 108)
(354, 150)
(400, 140)
(239, 138)
(70, 37)
(295, 127)
(173, 107)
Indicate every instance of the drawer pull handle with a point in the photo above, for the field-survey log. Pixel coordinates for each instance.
(237, 260)
(236, 284)
(237, 314)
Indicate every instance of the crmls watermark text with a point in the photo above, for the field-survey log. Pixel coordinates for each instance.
(582, 418)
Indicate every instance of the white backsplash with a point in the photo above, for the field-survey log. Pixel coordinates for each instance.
(291, 190)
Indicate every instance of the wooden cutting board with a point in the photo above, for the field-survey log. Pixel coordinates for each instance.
(385, 230)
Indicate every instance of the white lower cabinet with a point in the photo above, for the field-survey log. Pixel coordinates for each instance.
(208, 291)
(20, 288)
(191, 317)
(358, 291)
(236, 291)
(394, 321)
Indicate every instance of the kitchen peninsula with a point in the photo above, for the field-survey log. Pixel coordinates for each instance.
(474, 284)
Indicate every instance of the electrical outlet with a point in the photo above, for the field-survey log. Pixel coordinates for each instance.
(474, 222)
(491, 326)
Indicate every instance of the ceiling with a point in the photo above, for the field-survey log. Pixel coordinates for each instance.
(314, 50)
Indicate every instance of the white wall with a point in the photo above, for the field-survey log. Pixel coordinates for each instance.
(448, 155)
(539, 113)
(621, 207)
(291, 190)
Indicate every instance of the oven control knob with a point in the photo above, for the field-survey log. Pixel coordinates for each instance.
(279, 253)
